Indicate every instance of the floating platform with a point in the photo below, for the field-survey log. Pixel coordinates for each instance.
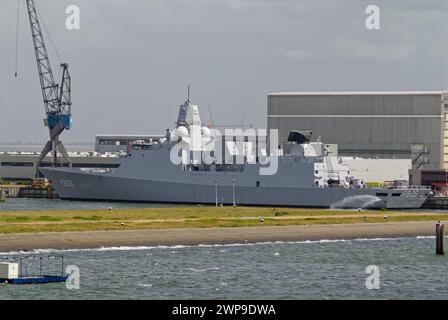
(32, 270)
(40, 193)
(436, 203)
(43, 279)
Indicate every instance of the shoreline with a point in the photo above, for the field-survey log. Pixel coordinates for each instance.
(210, 236)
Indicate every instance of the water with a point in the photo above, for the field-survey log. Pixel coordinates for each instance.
(362, 201)
(24, 204)
(409, 269)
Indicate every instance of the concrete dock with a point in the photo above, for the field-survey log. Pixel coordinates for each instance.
(10, 191)
(45, 193)
(26, 191)
(440, 203)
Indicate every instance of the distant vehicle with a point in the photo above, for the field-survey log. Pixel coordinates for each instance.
(40, 183)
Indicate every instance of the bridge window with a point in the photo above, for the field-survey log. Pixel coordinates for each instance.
(381, 194)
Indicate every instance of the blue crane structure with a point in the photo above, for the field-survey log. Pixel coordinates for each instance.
(57, 98)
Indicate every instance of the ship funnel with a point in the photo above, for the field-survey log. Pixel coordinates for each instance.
(300, 137)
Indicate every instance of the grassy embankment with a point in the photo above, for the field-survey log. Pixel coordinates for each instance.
(192, 217)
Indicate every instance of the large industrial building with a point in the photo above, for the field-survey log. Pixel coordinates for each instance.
(22, 165)
(401, 125)
(120, 143)
(18, 165)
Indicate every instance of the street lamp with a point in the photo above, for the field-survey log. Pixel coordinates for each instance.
(216, 193)
(233, 192)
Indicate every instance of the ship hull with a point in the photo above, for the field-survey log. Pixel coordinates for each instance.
(75, 184)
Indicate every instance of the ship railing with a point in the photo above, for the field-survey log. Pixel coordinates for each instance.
(39, 266)
(413, 187)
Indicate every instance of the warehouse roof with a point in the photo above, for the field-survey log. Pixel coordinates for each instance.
(332, 93)
(81, 154)
(130, 136)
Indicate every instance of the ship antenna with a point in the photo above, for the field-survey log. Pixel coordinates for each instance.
(211, 117)
(188, 90)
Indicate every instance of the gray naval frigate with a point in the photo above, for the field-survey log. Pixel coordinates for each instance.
(305, 174)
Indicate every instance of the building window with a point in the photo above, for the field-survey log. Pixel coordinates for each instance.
(17, 164)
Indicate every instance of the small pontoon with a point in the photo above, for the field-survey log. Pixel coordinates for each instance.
(32, 269)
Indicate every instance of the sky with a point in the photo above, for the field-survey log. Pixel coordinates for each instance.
(131, 60)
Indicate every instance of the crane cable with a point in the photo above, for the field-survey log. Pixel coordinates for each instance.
(51, 41)
(17, 37)
(18, 32)
(48, 34)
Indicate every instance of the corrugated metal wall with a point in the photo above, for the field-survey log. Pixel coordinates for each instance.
(370, 125)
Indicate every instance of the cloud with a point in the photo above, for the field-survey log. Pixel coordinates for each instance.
(131, 60)
(297, 54)
(366, 50)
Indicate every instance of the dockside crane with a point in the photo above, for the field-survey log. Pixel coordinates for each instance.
(57, 98)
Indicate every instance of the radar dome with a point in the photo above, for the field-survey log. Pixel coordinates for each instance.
(205, 132)
(180, 132)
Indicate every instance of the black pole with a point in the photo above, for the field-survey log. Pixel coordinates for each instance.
(440, 237)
